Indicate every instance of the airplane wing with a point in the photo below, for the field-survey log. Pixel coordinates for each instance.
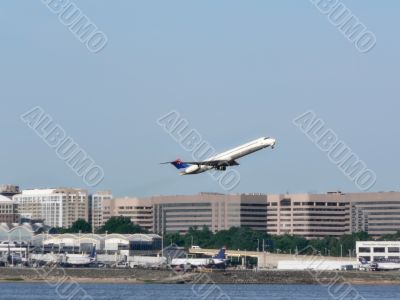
(213, 163)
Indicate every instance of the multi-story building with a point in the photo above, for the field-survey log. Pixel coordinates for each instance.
(334, 214)
(311, 216)
(97, 204)
(140, 211)
(308, 215)
(376, 213)
(378, 250)
(216, 211)
(162, 214)
(8, 210)
(56, 207)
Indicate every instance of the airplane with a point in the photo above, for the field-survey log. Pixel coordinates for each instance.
(217, 261)
(220, 258)
(385, 265)
(80, 260)
(223, 160)
(12, 258)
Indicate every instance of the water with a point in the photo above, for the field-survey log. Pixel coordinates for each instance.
(36, 291)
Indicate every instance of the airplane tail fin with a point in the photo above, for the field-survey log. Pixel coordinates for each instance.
(221, 254)
(179, 164)
(94, 253)
(363, 261)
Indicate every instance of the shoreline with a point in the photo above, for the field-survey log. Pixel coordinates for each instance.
(142, 276)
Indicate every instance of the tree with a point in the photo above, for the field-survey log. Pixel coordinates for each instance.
(390, 237)
(121, 225)
(80, 225)
(174, 238)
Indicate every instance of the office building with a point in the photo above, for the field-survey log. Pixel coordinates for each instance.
(308, 215)
(216, 211)
(8, 210)
(140, 211)
(97, 207)
(334, 214)
(376, 213)
(378, 250)
(56, 207)
(161, 214)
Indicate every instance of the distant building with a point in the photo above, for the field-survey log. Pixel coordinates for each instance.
(15, 232)
(378, 250)
(307, 215)
(128, 244)
(138, 210)
(163, 214)
(8, 210)
(56, 207)
(97, 207)
(334, 214)
(216, 211)
(9, 190)
(376, 213)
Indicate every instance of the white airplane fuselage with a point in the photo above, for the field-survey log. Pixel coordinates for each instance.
(232, 154)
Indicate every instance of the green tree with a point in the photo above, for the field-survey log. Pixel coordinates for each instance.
(80, 225)
(391, 237)
(174, 238)
(121, 225)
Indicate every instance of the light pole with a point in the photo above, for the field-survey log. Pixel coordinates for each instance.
(162, 245)
(341, 250)
(79, 240)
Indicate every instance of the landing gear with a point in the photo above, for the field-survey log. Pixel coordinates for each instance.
(221, 168)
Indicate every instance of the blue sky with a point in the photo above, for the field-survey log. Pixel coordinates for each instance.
(236, 70)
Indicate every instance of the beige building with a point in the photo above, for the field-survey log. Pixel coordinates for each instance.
(139, 211)
(376, 213)
(308, 215)
(8, 210)
(334, 214)
(216, 211)
(162, 214)
(56, 207)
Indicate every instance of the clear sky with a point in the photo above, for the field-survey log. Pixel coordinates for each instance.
(236, 70)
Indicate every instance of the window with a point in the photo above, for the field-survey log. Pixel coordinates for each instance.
(364, 249)
(393, 249)
(379, 258)
(367, 258)
(379, 249)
